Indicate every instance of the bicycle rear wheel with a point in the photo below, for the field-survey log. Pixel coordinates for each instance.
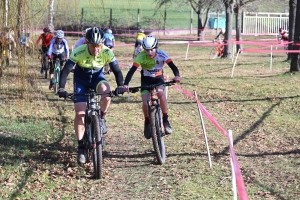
(97, 146)
(157, 135)
(214, 53)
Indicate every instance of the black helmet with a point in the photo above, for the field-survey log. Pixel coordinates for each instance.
(94, 36)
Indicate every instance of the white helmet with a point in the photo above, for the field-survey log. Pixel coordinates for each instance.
(141, 31)
(108, 31)
(150, 42)
(60, 34)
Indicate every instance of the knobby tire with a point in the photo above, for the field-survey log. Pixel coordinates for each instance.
(97, 146)
(157, 139)
(56, 78)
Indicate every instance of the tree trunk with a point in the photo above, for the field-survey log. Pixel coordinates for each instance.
(50, 15)
(292, 15)
(200, 31)
(238, 25)
(295, 56)
(229, 5)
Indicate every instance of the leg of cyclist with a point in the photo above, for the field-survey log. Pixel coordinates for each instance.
(80, 87)
(43, 53)
(145, 99)
(62, 59)
(79, 129)
(164, 108)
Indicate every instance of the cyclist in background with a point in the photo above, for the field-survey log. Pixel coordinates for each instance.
(109, 41)
(283, 36)
(25, 40)
(82, 39)
(46, 38)
(152, 61)
(7, 40)
(89, 60)
(140, 36)
(221, 37)
(58, 48)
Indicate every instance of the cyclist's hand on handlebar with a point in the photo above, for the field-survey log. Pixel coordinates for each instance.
(126, 88)
(177, 79)
(119, 90)
(62, 93)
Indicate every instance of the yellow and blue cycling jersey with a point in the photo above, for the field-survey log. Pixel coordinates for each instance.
(82, 57)
(140, 36)
(88, 71)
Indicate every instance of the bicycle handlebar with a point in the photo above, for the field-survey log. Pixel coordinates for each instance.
(151, 86)
(91, 93)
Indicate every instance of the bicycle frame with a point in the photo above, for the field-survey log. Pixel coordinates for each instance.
(156, 122)
(56, 75)
(93, 136)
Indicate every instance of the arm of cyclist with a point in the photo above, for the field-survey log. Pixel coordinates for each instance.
(175, 70)
(67, 50)
(129, 76)
(115, 68)
(63, 79)
(50, 49)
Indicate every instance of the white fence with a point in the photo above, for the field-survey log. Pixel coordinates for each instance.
(264, 23)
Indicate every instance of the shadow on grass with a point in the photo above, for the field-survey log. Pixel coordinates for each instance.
(33, 150)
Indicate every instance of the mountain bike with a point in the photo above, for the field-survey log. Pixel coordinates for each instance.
(93, 137)
(217, 51)
(44, 63)
(56, 75)
(156, 122)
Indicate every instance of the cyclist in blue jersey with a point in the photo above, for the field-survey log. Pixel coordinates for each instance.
(110, 41)
(89, 60)
(58, 48)
(152, 61)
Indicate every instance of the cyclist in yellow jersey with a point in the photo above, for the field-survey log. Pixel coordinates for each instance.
(90, 59)
(152, 61)
(138, 42)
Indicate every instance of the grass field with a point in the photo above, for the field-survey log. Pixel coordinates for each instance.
(259, 105)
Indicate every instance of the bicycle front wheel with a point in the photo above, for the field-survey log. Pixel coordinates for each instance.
(214, 53)
(97, 146)
(157, 134)
(56, 80)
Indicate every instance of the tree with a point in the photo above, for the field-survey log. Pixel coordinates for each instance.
(229, 8)
(295, 56)
(292, 15)
(50, 14)
(201, 7)
(240, 4)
